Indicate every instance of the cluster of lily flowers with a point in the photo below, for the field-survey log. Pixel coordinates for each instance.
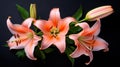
(57, 32)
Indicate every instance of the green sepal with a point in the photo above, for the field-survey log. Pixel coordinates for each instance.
(39, 53)
(49, 50)
(68, 51)
(40, 33)
(23, 12)
(5, 45)
(78, 14)
(69, 41)
(74, 29)
(20, 54)
(42, 55)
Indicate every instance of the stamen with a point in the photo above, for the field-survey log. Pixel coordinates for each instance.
(14, 35)
(87, 44)
(17, 37)
(17, 43)
(54, 31)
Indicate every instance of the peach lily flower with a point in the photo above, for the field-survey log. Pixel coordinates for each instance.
(23, 37)
(54, 30)
(87, 40)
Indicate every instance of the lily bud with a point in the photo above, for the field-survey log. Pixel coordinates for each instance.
(99, 12)
(33, 11)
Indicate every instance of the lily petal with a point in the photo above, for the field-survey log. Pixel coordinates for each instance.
(37, 38)
(47, 41)
(83, 25)
(60, 43)
(78, 52)
(74, 37)
(95, 29)
(68, 20)
(29, 49)
(28, 22)
(91, 58)
(55, 16)
(43, 25)
(100, 44)
(63, 25)
(16, 28)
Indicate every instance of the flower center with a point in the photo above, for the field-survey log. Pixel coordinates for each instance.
(30, 35)
(54, 31)
(18, 39)
(86, 43)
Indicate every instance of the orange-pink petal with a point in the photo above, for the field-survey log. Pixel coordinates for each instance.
(78, 52)
(74, 37)
(83, 25)
(95, 29)
(63, 25)
(47, 41)
(55, 16)
(27, 22)
(43, 25)
(16, 28)
(29, 49)
(100, 44)
(60, 43)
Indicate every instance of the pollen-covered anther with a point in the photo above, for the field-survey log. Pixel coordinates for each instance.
(54, 31)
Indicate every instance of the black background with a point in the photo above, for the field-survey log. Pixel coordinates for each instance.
(109, 31)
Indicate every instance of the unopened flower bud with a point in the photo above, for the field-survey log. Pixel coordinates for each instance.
(33, 11)
(99, 12)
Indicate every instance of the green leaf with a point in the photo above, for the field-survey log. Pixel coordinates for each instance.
(69, 41)
(78, 14)
(74, 29)
(72, 60)
(21, 54)
(48, 50)
(42, 55)
(72, 48)
(23, 12)
(39, 33)
(68, 52)
(39, 54)
(5, 45)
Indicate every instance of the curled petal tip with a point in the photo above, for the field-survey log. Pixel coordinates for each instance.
(41, 48)
(34, 59)
(61, 51)
(87, 63)
(9, 17)
(106, 50)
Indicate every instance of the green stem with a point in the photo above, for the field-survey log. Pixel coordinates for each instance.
(85, 19)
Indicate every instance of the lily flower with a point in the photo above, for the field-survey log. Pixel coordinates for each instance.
(87, 41)
(54, 30)
(23, 37)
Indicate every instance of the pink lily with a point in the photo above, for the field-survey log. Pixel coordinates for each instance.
(23, 37)
(54, 30)
(87, 41)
